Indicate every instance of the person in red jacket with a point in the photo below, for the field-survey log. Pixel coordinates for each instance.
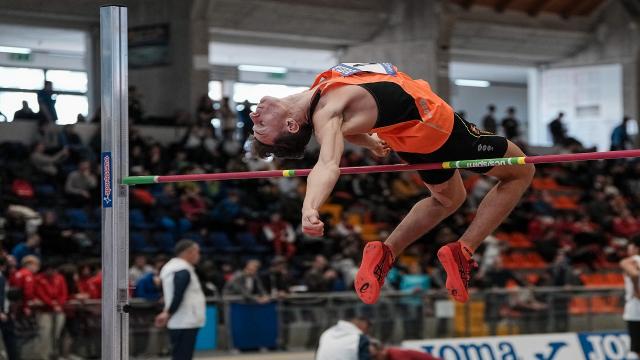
(24, 279)
(83, 282)
(51, 289)
(94, 285)
(281, 233)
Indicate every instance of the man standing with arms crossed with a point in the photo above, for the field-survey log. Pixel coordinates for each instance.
(380, 108)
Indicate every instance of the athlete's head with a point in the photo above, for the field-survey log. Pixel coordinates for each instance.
(280, 129)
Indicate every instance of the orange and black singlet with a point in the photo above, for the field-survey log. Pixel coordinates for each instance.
(415, 122)
(411, 117)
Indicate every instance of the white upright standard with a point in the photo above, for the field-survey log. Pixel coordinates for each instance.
(115, 197)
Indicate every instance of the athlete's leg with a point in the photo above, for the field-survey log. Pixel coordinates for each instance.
(494, 208)
(378, 258)
(498, 203)
(445, 199)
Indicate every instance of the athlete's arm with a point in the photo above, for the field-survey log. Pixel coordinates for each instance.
(364, 140)
(325, 173)
(372, 142)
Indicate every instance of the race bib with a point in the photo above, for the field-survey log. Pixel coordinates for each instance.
(348, 69)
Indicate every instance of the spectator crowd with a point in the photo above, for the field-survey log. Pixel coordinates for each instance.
(576, 218)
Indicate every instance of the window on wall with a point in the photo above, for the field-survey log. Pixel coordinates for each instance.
(21, 78)
(64, 80)
(10, 102)
(215, 90)
(22, 84)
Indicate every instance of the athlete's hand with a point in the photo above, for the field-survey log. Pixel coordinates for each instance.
(311, 224)
(380, 147)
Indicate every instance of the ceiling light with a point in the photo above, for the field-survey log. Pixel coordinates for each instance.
(14, 50)
(264, 69)
(474, 83)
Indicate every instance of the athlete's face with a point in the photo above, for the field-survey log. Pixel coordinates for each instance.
(269, 120)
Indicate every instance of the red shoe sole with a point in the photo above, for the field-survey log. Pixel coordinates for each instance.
(366, 283)
(454, 283)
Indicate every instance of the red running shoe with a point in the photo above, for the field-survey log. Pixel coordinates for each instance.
(377, 260)
(458, 270)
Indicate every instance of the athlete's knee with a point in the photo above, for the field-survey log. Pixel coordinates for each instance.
(528, 173)
(523, 173)
(449, 198)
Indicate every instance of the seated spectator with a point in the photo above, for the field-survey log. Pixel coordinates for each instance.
(229, 210)
(51, 289)
(25, 113)
(80, 184)
(192, 203)
(44, 163)
(210, 278)
(149, 286)
(139, 268)
(278, 280)
(30, 247)
(281, 234)
(320, 277)
(626, 225)
(247, 284)
(416, 281)
(24, 281)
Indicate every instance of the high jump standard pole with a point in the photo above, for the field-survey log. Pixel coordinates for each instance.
(115, 197)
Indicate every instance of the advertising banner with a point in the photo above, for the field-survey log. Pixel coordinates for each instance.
(561, 346)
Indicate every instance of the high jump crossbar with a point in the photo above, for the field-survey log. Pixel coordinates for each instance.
(461, 164)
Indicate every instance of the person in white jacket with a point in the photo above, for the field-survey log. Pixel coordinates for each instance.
(184, 301)
(347, 340)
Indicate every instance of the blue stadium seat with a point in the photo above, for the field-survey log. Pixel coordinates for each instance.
(45, 190)
(220, 242)
(249, 243)
(139, 244)
(194, 236)
(79, 219)
(138, 221)
(165, 241)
